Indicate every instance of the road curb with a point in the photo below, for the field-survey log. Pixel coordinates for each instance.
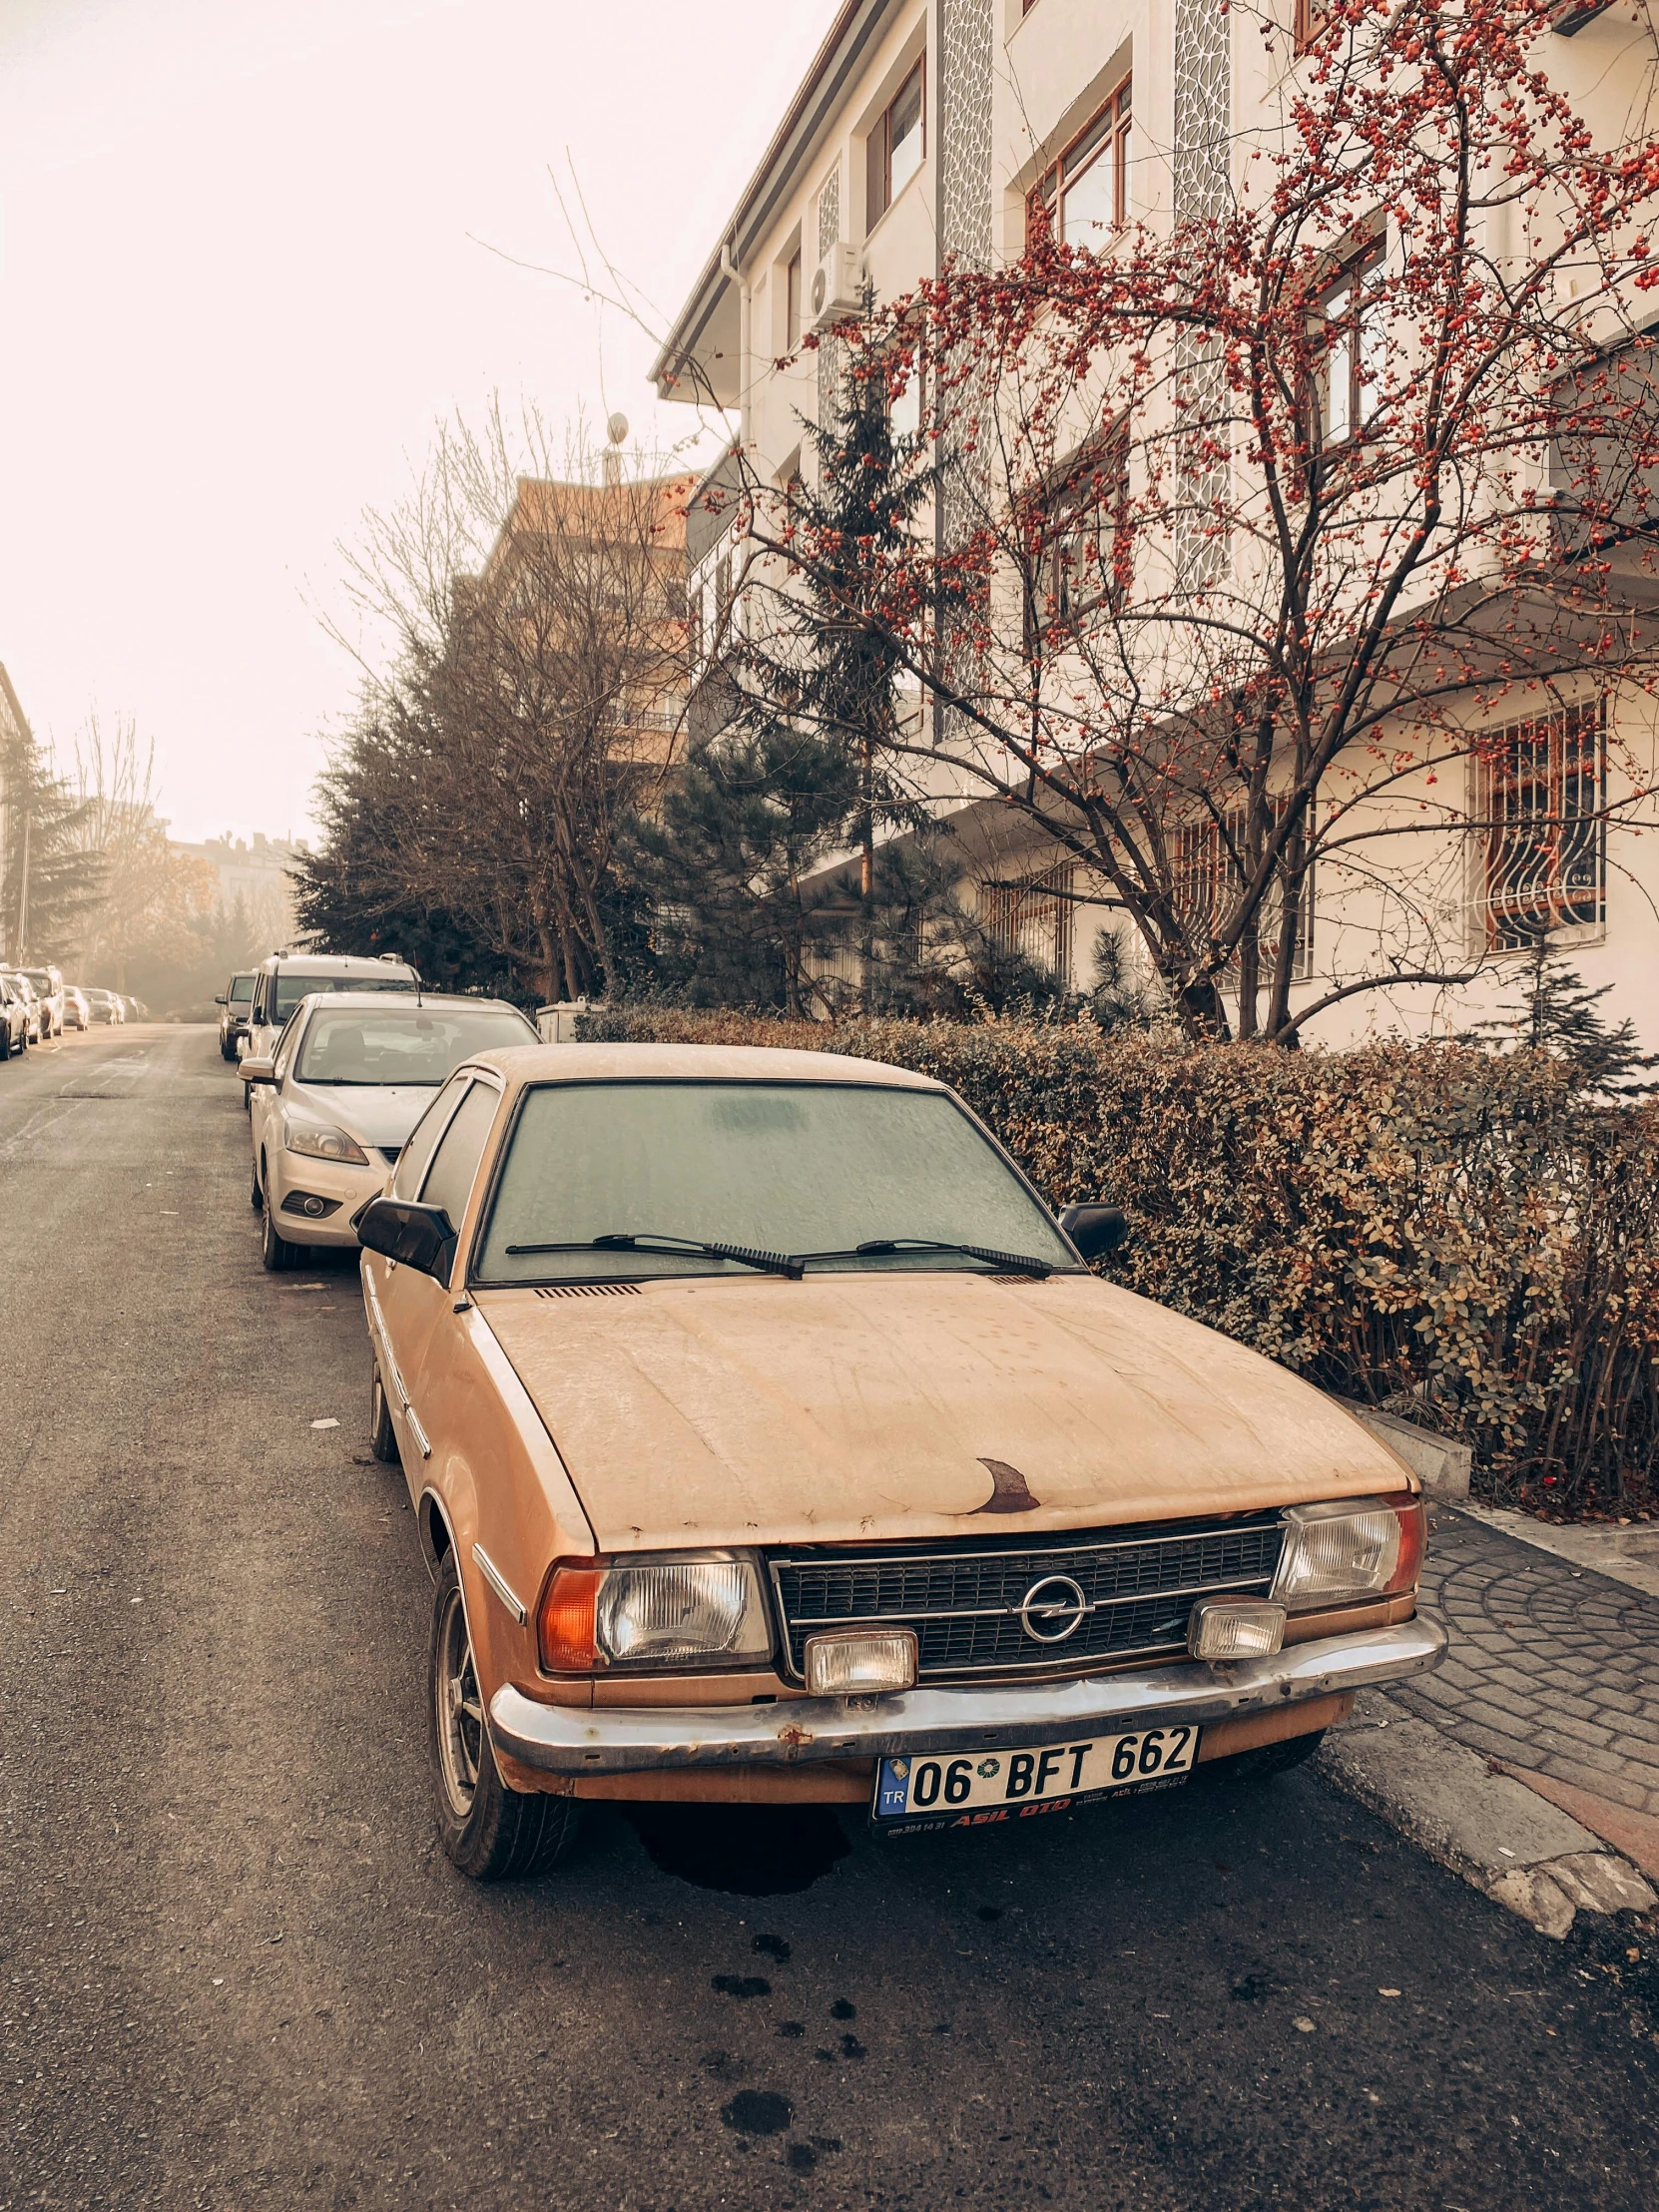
(1515, 1846)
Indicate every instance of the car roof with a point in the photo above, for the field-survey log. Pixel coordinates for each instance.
(430, 1001)
(528, 1064)
(333, 963)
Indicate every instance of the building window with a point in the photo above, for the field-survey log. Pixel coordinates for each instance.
(1084, 198)
(1084, 534)
(791, 302)
(1349, 345)
(896, 145)
(1542, 798)
(1205, 886)
(1312, 16)
(1032, 919)
(904, 405)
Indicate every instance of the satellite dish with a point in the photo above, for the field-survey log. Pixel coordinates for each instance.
(617, 429)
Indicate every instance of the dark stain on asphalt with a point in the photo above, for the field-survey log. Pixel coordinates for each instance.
(772, 1947)
(757, 2112)
(843, 2010)
(740, 1985)
(1252, 1988)
(748, 1851)
(990, 1912)
(791, 2031)
(852, 2049)
(801, 2158)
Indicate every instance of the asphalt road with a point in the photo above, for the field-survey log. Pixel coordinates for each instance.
(237, 1972)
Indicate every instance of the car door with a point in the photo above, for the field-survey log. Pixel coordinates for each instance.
(439, 1166)
(266, 1110)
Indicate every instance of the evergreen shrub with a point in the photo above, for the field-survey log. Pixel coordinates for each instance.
(1453, 1233)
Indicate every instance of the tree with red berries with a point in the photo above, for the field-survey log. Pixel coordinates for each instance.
(1296, 548)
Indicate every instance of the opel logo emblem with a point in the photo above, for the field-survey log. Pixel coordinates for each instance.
(1053, 1609)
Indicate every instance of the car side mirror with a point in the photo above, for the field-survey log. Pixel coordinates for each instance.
(257, 1070)
(403, 1229)
(218, 998)
(1095, 1230)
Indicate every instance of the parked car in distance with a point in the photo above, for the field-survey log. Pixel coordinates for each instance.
(133, 1010)
(353, 1073)
(35, 1019)
(771, 1441)
(76, 1014)
(14, 1018)
(282, 982)
(232, 1002)
(47, 988)
(106, 1006)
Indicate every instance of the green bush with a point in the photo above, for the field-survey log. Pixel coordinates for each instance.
(1431, 1227)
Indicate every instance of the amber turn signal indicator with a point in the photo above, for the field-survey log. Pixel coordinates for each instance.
(565, 1618)
(1414, 1540)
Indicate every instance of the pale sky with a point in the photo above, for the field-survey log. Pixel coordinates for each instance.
(237, 283)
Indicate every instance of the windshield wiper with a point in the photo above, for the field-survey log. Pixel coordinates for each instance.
(1014, 1263)
(621, 1240)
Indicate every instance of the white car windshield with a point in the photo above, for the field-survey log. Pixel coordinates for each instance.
(403, 1043)
(292, 987)
(811, 1170)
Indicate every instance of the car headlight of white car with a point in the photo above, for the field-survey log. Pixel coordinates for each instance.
(321, 1143)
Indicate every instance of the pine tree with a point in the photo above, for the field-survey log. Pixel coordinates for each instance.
(1554, 1010)
(53, 880)
(808, 703)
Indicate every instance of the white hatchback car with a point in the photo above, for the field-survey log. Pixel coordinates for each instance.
(353, 1073)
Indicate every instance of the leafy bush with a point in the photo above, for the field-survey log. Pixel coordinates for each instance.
(1451, 1233)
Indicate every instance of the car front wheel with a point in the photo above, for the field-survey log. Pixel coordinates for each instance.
(490, 1832)
(275, 1250)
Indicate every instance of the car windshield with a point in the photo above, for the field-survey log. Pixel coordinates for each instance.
(799, 1168)
(241, 989)
(291, 990)
(403, 1044)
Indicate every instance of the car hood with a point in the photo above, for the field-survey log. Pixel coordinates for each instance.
(374, 1113)
(852, 1406)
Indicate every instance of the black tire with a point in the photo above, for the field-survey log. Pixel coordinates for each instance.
(6, 1042)
(1267, 1759)
(491, 1832)
(382, 1438)
(276, 1254)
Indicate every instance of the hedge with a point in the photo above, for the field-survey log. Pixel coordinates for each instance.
(1429, 1227)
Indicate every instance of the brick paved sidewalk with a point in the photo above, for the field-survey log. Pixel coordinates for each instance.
(1553, 1669)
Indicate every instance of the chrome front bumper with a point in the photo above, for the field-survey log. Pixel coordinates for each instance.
(635, 1739)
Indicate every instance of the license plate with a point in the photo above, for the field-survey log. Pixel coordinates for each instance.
(979, 1789)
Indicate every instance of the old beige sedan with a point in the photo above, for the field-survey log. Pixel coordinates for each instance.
(772, 1441)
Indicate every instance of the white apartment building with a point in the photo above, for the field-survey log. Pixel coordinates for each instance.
(921, 131)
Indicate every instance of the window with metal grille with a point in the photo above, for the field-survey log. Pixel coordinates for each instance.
(1205, 888)
(1542, 795)
(1032, 919)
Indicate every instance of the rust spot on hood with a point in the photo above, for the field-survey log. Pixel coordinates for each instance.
(1008, 1491)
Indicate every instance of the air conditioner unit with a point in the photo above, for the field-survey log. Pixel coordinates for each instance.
(837, 292)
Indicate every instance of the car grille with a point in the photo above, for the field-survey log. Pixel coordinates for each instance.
(964, 1599)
